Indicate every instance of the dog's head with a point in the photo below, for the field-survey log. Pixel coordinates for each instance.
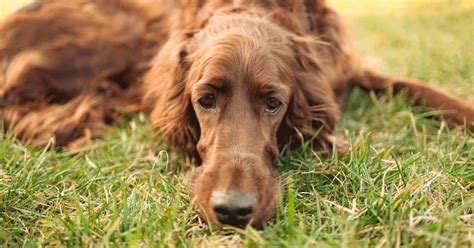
(231, 95)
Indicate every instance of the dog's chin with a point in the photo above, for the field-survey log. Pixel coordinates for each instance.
(200, 193)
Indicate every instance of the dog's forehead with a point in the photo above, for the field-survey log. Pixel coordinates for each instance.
(249, 76)
(249, 25)
(236, 57)
(242, 63)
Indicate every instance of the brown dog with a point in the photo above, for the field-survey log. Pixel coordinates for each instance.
(232, 83)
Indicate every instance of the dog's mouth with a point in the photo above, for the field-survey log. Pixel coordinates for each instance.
(235, 198)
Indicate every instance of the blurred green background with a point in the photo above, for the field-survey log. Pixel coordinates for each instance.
(7, 6)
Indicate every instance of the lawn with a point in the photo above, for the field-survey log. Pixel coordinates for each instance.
(409, 180)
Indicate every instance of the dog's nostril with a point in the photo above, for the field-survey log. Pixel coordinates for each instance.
(233, 207)
(244, 211)
(222, 211)
(235, 216)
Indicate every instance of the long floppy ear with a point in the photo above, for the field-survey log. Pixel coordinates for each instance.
(313, 110)
(166, 100)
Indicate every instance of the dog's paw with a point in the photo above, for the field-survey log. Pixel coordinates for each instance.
(338, 142)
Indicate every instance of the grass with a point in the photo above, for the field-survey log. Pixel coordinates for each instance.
(408, 181)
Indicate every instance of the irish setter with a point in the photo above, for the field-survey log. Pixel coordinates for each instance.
(233, 81)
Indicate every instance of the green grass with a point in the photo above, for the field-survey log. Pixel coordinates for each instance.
(408, 181)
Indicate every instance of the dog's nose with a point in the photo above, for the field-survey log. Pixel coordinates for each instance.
(233, 207)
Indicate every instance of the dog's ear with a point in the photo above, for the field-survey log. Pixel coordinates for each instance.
(313, 110)
(167, 101)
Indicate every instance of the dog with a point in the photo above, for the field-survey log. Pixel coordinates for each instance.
(226, 82)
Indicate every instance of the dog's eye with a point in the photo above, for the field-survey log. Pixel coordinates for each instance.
(272, 105)
(208, 102)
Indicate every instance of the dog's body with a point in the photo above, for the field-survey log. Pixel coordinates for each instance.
(232, 83)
